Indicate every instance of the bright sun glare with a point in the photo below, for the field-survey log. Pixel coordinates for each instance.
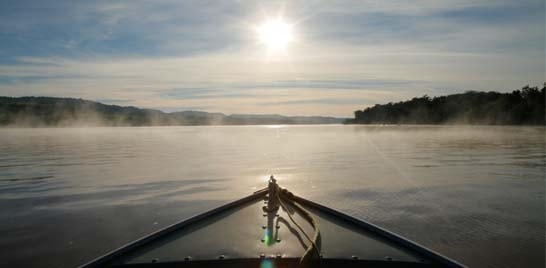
(275, 34)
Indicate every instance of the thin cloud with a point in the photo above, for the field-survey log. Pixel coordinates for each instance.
(172, 54)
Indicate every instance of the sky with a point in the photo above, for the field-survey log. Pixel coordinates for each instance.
(209, 55)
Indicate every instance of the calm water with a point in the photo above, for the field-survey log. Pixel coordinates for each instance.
(475, 194)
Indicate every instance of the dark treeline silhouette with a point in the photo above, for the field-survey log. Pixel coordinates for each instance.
(48, 111)
(520, 107)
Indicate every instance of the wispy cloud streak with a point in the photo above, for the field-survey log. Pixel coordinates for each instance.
(173, 54)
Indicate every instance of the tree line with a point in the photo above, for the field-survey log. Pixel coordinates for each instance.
(519, 107)
(49, 111)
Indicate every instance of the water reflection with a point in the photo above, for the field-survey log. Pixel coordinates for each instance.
(454, 189)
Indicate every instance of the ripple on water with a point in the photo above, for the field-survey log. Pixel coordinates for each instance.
(458, 190)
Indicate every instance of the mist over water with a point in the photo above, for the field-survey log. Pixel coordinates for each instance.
(475, 194)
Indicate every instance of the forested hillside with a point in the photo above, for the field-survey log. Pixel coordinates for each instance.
(520, 107)
(47, 111)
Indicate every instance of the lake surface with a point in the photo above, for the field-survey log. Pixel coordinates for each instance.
(475, 194)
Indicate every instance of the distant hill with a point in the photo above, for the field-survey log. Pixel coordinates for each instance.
(48, 111)
(520, 107)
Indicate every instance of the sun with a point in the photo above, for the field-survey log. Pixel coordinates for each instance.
(275, 34)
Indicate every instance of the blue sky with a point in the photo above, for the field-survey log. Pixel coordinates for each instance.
(205, 55)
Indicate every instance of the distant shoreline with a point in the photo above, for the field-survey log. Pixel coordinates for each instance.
(520, 107)
(525, 107)
(68, 112)
(277, 125)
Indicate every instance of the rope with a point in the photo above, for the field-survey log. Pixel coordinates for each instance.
(284, 195)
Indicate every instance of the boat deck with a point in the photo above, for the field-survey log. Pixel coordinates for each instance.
(242, 234)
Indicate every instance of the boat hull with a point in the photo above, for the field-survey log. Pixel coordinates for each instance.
(245, 233)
